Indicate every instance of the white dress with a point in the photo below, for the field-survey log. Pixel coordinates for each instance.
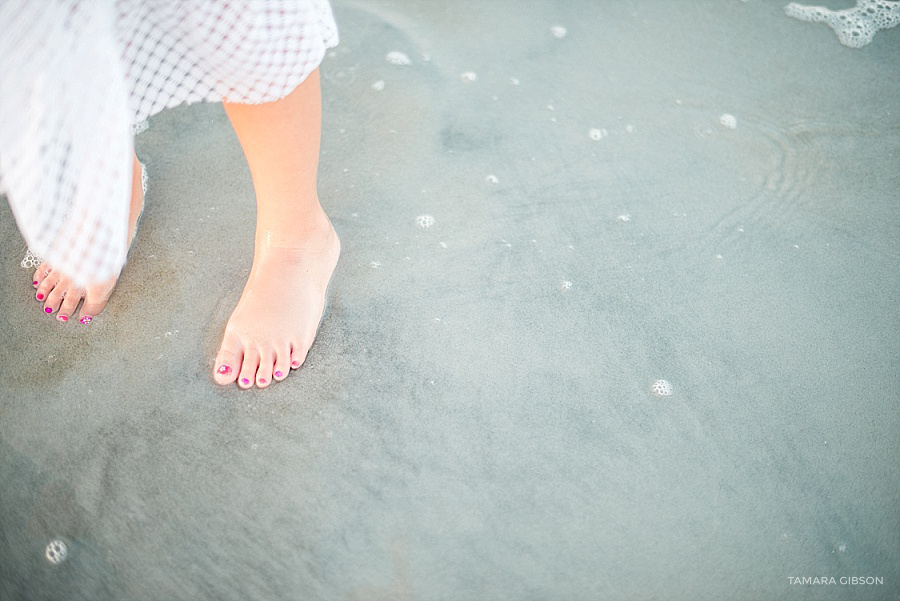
(76, 76)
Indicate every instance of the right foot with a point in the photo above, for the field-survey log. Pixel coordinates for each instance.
(58, 293)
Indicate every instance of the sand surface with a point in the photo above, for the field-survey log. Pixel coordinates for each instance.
(475, 420)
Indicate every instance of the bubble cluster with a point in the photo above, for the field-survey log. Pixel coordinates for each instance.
(624, 218)
(31, 260)
(468, 76)
(597, 134)
(378, 86)
(492, 179)
(661, 388)
(397, 58)
(56, 552)
(566, 285)
(729, 121)
(424, 221)
(558, 31)
(855, 27)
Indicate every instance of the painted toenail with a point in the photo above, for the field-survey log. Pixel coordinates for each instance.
(295, 364)
(245, 381)
(224, 369)
(62, 318)
(86, 319)
(262, 381)
(48, 310)
(278, 374)
(40, 297)
(34, 283)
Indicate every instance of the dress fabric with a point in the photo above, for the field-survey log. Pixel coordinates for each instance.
(78, 74)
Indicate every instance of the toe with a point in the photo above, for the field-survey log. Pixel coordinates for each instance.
(282, 364)
(90, 309)
(41, 273)
(298, 355)
(68, 306)
(228, 361)
(266, 366)
(55, 298)
(249, 365)
(45, 286)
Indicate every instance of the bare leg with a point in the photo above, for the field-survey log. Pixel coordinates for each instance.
(296, 250)
(60, 295)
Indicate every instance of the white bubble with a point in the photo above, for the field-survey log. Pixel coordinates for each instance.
(378, 85)
(468, 76)
(558, 31)
(566, 285)
(56, 552)
(729, 121)
(424, 221)
(624, 217)
(661, 388)
(855, 27)
(514, 81)
(492, 179)
(397, 58)
(375, 264)
(629, 129)
(597, 134)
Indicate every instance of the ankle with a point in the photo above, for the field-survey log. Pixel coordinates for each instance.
(311, 230)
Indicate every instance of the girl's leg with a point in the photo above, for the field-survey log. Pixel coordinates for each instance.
(60, 296)
(296, 249)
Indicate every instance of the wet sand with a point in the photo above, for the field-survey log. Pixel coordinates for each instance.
(476, 419)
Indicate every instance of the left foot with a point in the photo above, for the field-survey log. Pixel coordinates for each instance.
(276, 320)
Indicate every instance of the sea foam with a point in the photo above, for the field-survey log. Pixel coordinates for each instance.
(855, 27)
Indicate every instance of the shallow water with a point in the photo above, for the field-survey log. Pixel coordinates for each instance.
(537, 228)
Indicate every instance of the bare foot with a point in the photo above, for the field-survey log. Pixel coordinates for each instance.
(276, 320)
(59, 294)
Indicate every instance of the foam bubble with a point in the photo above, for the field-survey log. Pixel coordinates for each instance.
(597, 134)
(855, 27)
(424, 221)
(624, 217)
(566, 285)
(378, 86)
(397, 58)
(729, 121)
(468, 76)
(375, 264)
(558, 31)
(492, 179)
(661, 388)
(56, 552)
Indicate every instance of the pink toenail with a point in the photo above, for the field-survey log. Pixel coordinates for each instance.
(245, 381)
(48, 310)
(262, 380)
(34, 283)
(278, 374)
(40, 297)
(86, 319)
(224, 369)
(62, 318)
(295, 364)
